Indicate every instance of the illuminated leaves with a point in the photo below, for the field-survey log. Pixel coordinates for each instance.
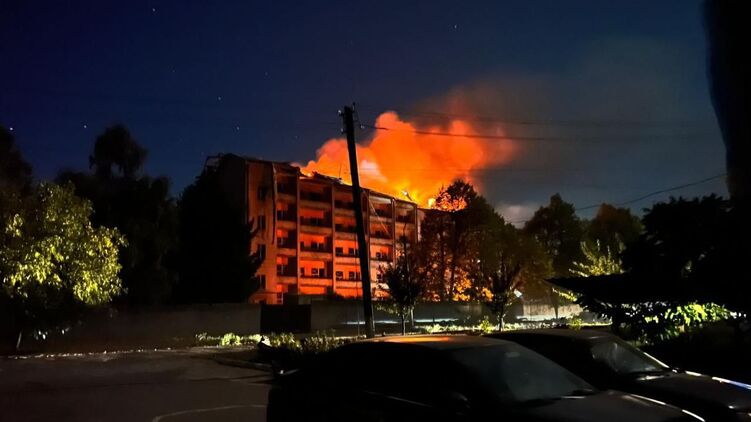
(52, 257)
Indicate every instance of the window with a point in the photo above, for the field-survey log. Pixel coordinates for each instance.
(315, 271)
(322, 272)
(351, 275)
(261, 194)
(352, 251)
(339, 275)
(261, 222)
(302, 271)
(261, 251)
(378, 255)
(339, 250)
(262, 281)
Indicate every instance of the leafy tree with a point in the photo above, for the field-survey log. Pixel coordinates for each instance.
(15, 172)
(140, 207)
(613, 227)
(53, 261)
(116, 148)
(449, 234)
(215, 260)
(599, 260)
(679, 236)
(560, 232)
(508, 262)
(405, 286)
(433, 253)
(446, 233)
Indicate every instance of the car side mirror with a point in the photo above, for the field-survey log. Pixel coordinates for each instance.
(456, 402)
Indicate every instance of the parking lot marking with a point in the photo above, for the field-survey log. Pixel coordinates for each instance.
(205, 410)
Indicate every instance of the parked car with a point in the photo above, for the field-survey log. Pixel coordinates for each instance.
(448, 378)
(608, 362)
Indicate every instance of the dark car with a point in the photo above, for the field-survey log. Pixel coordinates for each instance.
(448, 378)
(606, 361)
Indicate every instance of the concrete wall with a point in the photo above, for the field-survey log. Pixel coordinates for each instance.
(177, 326)
(126, 329)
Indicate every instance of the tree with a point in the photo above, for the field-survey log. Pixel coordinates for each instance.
(215, 260)
(405, 285)
(116, 147)
(140, 207)
(599, 260)
(447, 244)
(509, 261)
(560, 232)
(613, 227)
(679, 236)
(15, 172)
(53, 261)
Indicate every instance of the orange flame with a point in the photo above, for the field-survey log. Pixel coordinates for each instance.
(410, 165)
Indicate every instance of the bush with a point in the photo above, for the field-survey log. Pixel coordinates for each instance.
(226, 340)
(652, 322)
(230, 339)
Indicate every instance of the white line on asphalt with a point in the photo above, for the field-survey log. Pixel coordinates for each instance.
(208, 409)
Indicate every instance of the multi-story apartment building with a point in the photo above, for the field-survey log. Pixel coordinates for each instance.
(306, 229)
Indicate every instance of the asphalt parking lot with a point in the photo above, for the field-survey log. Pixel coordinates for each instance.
(168, 386)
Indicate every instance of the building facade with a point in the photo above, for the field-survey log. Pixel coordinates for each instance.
(306, 230)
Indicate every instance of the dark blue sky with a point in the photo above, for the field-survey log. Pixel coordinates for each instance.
(190, 78)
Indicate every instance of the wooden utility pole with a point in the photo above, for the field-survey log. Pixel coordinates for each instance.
(362, 245)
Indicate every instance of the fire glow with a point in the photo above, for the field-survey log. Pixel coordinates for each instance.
(414, 163)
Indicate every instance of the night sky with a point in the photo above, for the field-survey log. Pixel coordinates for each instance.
(619, 88)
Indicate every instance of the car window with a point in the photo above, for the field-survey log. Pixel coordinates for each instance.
(392, 370)
(516, 374)
(624, 358)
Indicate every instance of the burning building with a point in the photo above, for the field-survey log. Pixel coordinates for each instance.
(306, 229)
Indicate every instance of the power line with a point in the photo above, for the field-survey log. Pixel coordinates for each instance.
(533, 122)
(643, 197)
(683, 186)
(517, 138)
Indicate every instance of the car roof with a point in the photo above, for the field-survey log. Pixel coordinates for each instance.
(437, 342)
(554, 332)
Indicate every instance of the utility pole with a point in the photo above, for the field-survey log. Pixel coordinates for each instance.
(362, 246)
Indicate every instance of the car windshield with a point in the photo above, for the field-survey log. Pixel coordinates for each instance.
(624, 358)
(518, 375)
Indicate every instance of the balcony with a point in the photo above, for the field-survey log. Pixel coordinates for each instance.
(345, 228)
(380, 234)
(286, 215)
(287, 189)
(381, 258)
(346, 205)
(285, 242)
(314, 197)
(350, 277)
(349, 253)
(315, 247)
(315, 276)
(409, 218)
(383, 213)
(315, 222)
(285, 270)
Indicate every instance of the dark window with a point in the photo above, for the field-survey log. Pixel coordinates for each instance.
(339, 275)
(262, 222)
(261, 251)
(339, 251)
(262, 281)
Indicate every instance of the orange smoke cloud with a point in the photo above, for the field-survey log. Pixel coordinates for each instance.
(406, 164)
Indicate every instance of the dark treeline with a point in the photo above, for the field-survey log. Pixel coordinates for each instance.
(189, 249)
